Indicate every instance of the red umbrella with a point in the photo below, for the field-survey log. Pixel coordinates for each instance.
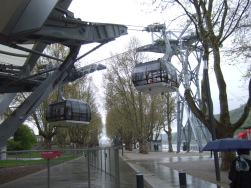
(243, 135)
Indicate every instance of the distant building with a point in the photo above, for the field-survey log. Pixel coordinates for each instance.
(39, 138)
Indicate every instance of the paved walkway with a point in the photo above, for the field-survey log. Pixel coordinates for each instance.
(152, 166)
(74, 175)
(156, 170)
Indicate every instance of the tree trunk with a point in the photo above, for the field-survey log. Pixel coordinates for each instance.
(227, 158)
(143, 146)
(47, 142)
(61, 138)
(170, 144)
(134, 144)
(170, 118)
(169, 138)
(128, 146)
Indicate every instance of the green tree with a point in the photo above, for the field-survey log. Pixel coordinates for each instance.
(38, 117)
(24, 139)
(171, 116)
(86, 135)
(240, 50)
(62, 135)
(123, 101)
(131, 115)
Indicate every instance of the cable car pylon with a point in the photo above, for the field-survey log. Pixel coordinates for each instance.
(189, 55)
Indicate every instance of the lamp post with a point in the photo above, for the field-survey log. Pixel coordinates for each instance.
(211, 115)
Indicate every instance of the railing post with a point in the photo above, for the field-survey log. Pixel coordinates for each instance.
(117, 166)
(105, 159)
(101, 151)
(88, 168)
(110, 166)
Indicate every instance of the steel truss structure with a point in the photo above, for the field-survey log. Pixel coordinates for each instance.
(41, 23)
(188, 53)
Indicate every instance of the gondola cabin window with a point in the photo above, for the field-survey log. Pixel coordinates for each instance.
(75, 110)
(60, 112)
(155, 77)
(68, 112)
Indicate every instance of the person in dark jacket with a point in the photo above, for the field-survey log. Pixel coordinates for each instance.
(240, 171)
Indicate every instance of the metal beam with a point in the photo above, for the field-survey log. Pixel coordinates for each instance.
(30, 61)
(15, 120)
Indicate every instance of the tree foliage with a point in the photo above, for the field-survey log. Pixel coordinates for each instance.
(38, 117)
(24, 139)
(171, 116)
(240, 49)
(131, 115)
(86, 135)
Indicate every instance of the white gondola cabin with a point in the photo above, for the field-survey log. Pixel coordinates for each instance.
(155, 77)
(68, 112)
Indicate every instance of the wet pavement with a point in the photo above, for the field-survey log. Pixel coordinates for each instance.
(67, 175)
(74, 175)
(159, 176)
(156, 175)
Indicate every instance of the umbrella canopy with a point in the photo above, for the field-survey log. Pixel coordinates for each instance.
(227, 144)
(243, 135)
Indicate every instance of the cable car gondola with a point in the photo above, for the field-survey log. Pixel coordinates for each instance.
(155, 77)
(68, 112)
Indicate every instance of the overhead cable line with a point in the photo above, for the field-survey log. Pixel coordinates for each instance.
(136, 30)
(135, 26)
(111, 57)
(239, 70)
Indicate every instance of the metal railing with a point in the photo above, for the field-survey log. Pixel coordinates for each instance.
(74, 168)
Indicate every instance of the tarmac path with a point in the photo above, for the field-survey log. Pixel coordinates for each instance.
(162, 168)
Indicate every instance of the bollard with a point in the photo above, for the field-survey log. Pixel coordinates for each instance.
(140, 181)
(182, 178)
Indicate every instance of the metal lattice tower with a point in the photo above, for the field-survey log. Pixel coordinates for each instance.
(188, 56)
